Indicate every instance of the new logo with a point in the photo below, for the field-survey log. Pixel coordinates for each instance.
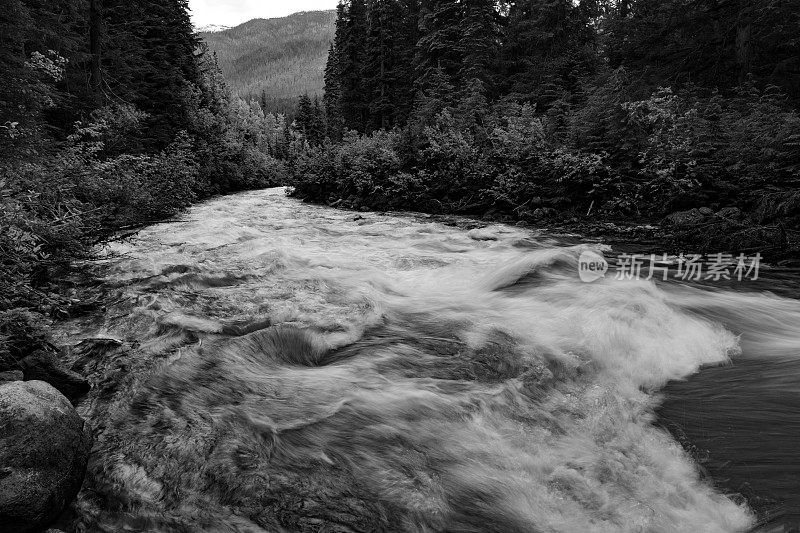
(591, 266)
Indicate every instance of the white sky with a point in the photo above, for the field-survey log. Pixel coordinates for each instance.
(234, 12)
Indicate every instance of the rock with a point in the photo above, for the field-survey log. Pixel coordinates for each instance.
(684, 219)
(730, 213)
(44, 448)
(11, 375)
(544, 212)
(365, 209)
(87, 352)
(44, 366)
(706, 211)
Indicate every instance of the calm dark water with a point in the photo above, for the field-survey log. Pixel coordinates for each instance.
(741, 420)
(288, 367)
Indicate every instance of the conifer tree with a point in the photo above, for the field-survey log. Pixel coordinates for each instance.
(317, 134)
(304, 115)
(334, 123)
(438, 51)
(351, 58)
(480, 30)
(150, 54)
(547, 48)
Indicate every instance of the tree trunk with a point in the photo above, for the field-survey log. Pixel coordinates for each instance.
(95, 42)
(744, 44)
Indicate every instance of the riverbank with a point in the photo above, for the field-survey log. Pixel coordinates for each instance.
(693, 231)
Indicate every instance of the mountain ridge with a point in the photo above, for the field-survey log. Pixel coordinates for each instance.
(275, 60)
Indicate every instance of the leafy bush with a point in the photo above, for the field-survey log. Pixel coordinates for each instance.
(362, 167)
(615, 154)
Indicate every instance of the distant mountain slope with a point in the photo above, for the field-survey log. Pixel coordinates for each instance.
(282, 57)
(211, 28)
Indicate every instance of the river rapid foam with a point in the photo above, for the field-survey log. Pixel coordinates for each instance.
(288, 368)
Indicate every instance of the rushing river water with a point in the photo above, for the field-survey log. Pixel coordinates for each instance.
(286, 367)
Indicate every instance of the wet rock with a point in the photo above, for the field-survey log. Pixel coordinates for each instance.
(44, 366)
(544, 212)
(730, 213)
(11, 375)
(88, 351)
(683, 219)
(44, 448)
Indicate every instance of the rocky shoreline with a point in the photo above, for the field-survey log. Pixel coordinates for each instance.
(44, 442)
(44, 451)
(702, 231)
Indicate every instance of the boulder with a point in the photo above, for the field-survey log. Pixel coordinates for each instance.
(706, 211)
(45, 366)
(44, 448)
(683, 219)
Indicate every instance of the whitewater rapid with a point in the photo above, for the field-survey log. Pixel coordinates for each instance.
(290, 367)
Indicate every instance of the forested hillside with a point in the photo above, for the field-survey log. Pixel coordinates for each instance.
(275, 60)
(554, 109)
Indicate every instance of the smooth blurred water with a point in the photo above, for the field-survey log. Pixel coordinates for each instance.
(291, 367)
(742, 420)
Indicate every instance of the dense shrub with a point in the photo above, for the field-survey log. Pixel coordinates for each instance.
(646, 157)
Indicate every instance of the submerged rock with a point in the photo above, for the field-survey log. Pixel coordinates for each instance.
(44, 448)
(88, 352)
(683, 219)
(44, 366)
(730, 213)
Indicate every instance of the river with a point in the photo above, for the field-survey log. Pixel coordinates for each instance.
(291, 367)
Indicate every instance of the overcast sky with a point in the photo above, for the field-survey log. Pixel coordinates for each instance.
(234, 12)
